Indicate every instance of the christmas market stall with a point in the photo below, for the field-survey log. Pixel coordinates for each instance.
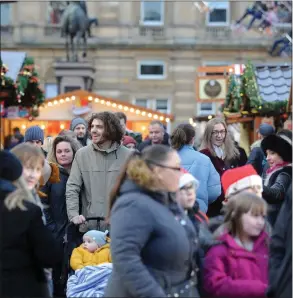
(56, 113)
(260, 94)
(20, 97)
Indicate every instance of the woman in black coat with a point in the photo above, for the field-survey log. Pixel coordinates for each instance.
(278, 177)
(62, 154)
(27, 247)
(153, 243)
(280, 285)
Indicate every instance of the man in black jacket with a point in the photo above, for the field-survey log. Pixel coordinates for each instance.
(157, 135)
(280, 274)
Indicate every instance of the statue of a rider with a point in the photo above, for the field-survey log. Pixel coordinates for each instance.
(82, 4)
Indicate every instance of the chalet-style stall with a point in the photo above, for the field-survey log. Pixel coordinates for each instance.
(261, 94)
(56, 113)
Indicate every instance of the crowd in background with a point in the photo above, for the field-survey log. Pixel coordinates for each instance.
(183, 221)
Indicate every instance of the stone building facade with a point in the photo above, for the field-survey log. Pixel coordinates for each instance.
(144, 52)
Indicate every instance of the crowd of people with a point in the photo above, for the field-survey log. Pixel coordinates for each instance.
(174, 220)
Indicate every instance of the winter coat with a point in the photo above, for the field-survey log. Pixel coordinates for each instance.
(205, 240)
(93, 174)
(276, 184)
(280, 272)
(148, 142)
(201, 167)
(242, 155)
(221, 166)
(81, 257)
(232, 271)
(153, 244)
(27, 247)
(257, 159)
(55, 202)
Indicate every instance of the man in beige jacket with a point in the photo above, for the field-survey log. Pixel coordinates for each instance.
(95, 169)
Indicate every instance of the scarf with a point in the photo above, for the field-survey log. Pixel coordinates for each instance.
(220, 152)
(277, 166)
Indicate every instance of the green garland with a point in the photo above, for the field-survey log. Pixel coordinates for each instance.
(26, 91)
(233, 98)
(245, 97)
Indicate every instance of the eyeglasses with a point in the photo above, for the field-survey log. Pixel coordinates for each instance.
(164, 166)
(187, 187)
(218, 132)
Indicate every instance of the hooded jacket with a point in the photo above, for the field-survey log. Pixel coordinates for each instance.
(201, 167)
(152, 244)
(93, 174)
(232, 271)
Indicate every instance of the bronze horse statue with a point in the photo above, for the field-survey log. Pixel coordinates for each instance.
(76, 26)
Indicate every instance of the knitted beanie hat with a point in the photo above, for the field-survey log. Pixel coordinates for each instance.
(10, 166)
(34, 133)
(266, 129)
(99, 237)
(237, 179)
(128, 140)
(186, 179)
(77, 121)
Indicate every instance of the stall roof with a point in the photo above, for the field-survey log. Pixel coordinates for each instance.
(113, 104)
(274, 82)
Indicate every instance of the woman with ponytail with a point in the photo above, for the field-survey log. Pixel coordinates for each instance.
(153, 242)
(198, 165)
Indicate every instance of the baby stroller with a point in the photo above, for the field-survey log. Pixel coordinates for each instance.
(73, 239)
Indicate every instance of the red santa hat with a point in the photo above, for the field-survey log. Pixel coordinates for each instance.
(240, 178)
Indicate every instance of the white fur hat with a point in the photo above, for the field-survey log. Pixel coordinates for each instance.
(188, 178)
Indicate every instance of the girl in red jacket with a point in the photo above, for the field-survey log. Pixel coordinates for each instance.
(238, 267)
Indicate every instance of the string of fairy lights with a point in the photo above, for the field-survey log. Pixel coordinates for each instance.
(108, 103)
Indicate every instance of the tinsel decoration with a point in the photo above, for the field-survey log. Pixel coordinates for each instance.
(30, 94)
(249, 91)
(233, 98)
(26, 91)
(7, 87)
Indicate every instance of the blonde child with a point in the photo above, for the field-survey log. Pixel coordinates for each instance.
(32, 159)
(94, 250)
(238, 267)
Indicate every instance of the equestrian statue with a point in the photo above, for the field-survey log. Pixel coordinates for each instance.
(75, 25)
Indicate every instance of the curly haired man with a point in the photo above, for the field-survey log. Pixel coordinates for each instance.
(95, 168)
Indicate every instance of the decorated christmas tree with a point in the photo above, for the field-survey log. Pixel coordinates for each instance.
(251, 100)
(7, 87)
(30, 94)
(233, 98)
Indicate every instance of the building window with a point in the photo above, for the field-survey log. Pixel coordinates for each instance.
(161, 105)
(219, 14)
(152, 13)
(151, 70)
(142, 103)
(206, 108)
(51, 90)
(5, 14)
(55, 11)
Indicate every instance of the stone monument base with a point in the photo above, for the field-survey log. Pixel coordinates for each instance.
(74, 75)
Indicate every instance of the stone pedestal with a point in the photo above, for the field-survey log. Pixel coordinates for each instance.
(74, 75)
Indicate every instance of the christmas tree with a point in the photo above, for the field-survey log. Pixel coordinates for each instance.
(30, 94)
(249, 91)
(233, 98)
(8, 87)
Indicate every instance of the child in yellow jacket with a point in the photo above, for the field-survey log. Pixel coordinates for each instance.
(95, 250)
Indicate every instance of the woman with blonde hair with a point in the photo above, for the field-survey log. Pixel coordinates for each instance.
(62, 154)
(220, 148)
(153, 243)
(27, 247)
